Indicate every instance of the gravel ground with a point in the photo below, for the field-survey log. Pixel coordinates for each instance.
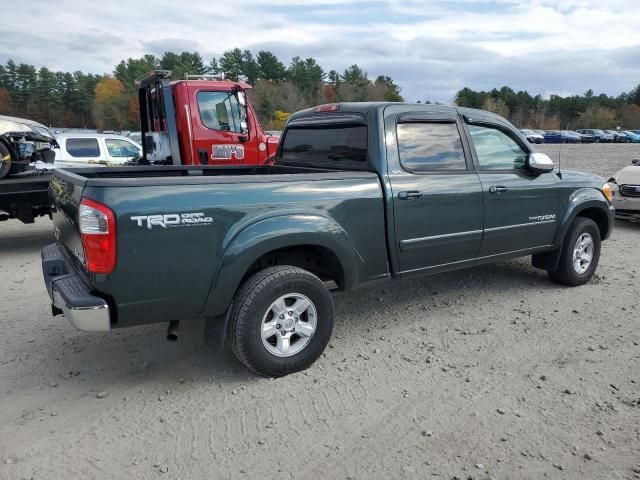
(490, 372)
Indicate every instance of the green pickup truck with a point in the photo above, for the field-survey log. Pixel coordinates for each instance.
(359, 192)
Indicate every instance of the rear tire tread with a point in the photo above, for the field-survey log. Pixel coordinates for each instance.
(244, 298)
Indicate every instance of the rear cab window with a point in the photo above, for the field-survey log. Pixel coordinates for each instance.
(329, 146)
(83, 147)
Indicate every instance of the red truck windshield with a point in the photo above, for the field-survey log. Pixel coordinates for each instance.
(341, 147)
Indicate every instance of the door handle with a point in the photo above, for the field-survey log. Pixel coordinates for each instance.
(410, 195)
(498, 189)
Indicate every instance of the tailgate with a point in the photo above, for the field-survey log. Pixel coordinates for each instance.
(65, 193)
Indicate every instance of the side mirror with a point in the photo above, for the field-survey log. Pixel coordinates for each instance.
(242, 101)
(539, 162)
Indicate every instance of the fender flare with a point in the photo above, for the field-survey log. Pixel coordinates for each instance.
(273, 233)
(579, 201)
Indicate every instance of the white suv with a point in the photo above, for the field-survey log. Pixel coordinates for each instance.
(94, 149)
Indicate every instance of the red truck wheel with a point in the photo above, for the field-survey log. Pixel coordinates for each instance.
(281, 321)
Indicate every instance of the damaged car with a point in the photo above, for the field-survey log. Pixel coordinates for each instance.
(23, 142)
(626, 192)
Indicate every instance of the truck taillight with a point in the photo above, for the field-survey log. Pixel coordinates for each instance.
(98, 231)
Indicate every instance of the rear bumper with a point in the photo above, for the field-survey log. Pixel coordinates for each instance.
(70, 294)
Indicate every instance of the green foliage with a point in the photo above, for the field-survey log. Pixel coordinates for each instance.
(556, 112)
(70, 100)
(270, 68)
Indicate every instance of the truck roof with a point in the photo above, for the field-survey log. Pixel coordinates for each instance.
(216, 85)
(366, 108)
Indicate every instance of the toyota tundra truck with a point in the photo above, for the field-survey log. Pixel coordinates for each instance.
(358, 193)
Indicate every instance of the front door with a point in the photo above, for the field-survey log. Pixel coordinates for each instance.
(219, 130)
(521, 208)
(437, 196)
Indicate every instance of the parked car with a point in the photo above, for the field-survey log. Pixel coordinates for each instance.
(100, 149)
(598, 135)
(23, 142)
(532, 137)
(552, 136)
(569, 136)
(618, 136)
(356, 195)
(632, 137)
(626, 192)
(586, 137)
(135, 136)
(637, 132)
(561, 136)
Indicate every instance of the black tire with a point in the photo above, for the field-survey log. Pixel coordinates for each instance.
(253, 301)
(5, 161)
(566, 272)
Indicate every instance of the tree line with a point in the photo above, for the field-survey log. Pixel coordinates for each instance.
(77, 99)
(110, 101)
(557, 113)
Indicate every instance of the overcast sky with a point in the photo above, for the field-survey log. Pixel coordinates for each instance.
(431, 48)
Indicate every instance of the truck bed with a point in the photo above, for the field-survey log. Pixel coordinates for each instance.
(185, 175)
(248, 209)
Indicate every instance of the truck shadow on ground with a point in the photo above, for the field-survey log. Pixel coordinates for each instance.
(140, 355)
(29, 238)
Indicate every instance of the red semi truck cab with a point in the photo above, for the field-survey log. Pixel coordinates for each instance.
(200, 122)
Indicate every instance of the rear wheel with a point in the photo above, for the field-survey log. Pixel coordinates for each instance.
(281, 320)
(580, 253)
(5, 160)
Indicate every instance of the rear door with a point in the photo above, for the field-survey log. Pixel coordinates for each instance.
(219, 129)
(437, 195)
(521, 208)
(80, 152)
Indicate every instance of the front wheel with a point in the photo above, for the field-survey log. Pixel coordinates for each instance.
(5, 160)
(580, 253)
(281, 321)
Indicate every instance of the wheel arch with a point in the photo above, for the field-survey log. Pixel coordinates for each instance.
(312, 242)
(587, 203)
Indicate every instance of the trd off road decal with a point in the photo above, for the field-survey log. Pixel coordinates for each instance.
(172, 220)
(227, 152)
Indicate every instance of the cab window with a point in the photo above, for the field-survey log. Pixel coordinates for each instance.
(83, 147)
(121, 148)
(429, 147)
(220, 111)
(496, 150)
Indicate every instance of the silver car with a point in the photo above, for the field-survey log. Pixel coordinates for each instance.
(625, 186)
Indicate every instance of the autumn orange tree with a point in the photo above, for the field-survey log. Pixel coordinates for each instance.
(110, 106)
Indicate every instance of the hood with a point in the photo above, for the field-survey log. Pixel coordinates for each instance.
(22, 125)
(12, 126)
(581, 179)
(628, 175)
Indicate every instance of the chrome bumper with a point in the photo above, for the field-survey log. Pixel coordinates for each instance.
(86, 318)
(627, 208)
(71, 295)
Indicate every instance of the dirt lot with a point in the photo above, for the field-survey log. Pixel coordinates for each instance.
(491, 372)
